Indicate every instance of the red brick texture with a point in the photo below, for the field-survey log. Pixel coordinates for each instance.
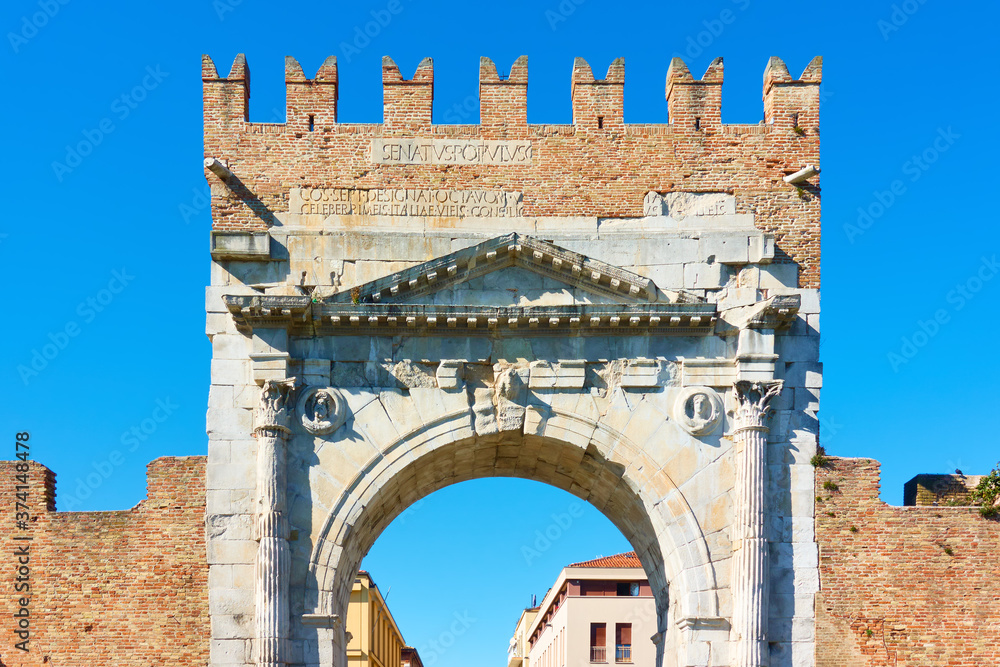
(125, 588)
(901, 586)
(597, 166)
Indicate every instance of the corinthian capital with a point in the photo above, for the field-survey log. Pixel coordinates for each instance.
(273, 409)
(754, 398)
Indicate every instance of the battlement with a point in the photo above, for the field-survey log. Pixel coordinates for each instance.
(597, 166)
(598, 104)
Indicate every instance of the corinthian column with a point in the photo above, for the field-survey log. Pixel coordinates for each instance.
(750, 571)
(271, 570)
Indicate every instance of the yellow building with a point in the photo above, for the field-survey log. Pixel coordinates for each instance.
(374, 639)
(517, 651)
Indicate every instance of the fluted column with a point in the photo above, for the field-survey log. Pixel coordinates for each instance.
(271, 570)
(750, 556)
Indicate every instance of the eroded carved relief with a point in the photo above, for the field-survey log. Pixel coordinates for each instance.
(753, 403)
(322, 410)
(272, 406)
(698, 410)
(510, 392)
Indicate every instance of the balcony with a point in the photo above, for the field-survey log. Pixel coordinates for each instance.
(623, 653)
(514, 657)
(598, 654)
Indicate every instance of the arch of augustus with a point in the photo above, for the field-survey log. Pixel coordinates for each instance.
(629, 313)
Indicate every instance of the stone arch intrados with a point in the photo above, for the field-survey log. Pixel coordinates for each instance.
(662, 530)
(436, 470)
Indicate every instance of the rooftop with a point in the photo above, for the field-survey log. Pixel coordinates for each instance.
(628, 559)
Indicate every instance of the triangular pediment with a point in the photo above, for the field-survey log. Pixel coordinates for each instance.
(512, 254)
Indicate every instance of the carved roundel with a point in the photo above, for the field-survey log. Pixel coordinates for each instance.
(698, 410)
(322, 410)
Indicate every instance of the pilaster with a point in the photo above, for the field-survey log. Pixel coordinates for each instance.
(750, 547)
(273, 561)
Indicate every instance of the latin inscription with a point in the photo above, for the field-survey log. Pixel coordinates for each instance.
(434, 203)
(679, 205)
(449, 151)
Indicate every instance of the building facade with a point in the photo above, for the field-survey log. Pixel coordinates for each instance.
(374, 638)
(517, 650)
(597, 612)
(608, 308)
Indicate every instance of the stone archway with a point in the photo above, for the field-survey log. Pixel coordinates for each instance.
(578, 453)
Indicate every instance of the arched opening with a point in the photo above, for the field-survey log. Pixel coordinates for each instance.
(460, 567)
(601, 467)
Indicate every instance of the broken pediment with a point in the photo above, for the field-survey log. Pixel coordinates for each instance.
(569, 276)
(509, 285)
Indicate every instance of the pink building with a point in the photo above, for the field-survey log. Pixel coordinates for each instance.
(598, 612)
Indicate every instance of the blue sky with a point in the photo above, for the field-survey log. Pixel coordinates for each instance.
(113, 245)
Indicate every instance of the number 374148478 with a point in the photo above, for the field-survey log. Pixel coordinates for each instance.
(22, 451)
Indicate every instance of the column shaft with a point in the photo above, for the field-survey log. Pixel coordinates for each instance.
(273, 562)
(750, 557)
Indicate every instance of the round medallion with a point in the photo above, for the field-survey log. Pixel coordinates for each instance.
(698, 410)
(322, 410)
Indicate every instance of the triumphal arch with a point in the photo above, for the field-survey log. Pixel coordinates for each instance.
(629, 312)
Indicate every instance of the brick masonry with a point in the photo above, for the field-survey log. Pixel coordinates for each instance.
(597, 166)
(127, 588)
(901, 586)
(131, 587)
(940, 489)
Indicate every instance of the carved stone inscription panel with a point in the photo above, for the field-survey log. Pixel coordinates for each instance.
(379, 202)
(449, 151)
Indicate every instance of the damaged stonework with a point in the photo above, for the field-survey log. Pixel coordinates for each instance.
(599, 337)
(510, 390)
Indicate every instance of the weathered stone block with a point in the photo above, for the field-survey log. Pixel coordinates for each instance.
(724, 248)
(705, 276)
(241, 245)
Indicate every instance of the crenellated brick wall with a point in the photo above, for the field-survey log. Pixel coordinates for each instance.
(598, 166)
(126, 588)
(901, 586)
(130, 588)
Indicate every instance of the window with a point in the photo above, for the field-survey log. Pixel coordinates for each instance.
(627, 589)
(623, 642)
(598, 642)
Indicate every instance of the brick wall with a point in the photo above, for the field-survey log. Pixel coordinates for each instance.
(901, 586)
(126, 588)
(940, 489)
(597, 166)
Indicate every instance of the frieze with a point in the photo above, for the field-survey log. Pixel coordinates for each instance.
(449, 151)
